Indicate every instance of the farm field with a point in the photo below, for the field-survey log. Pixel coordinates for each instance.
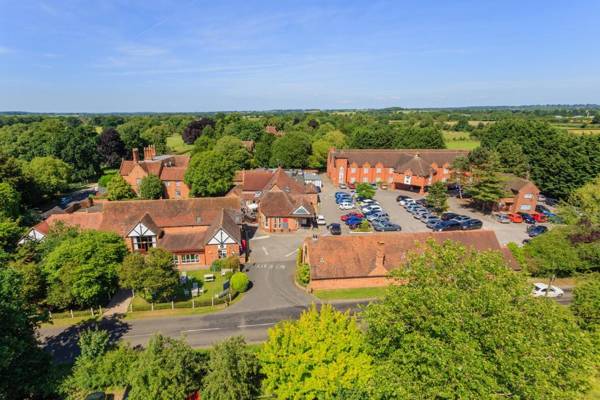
(459, 141)
(576, 129)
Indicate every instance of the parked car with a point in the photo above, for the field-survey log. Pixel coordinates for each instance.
(544, 210)
(432, 221)
(353, 221)
(321, 220)
(351, 186)
(373, 207)
(343, 186)
(551, 201)
(407, 202)
(527, 218)
(377, 215)
(461, 218)
(387, 227)
(401, 198)
(352, 214)
(422, 202)
(471, 224)
(423, 216)
(343, 199)
(448, 216)
(335, 229)
(539, 217)
(502, 218)
(346, 205)
(543, 290)
(515, 218)
(536, 230)
(449, 225)
(341, 194)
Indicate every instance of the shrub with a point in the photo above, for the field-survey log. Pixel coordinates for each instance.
(232, 263)
(303, 274)
(217, 265)
(151, 188)
(518, 254)
(240, 282)
(364, 226)
(104, 179)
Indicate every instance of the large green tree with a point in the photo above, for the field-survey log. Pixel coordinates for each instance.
(291, 151)
(210, 174)
(319, 356)
(233, 372)
(461, 326)
(10, 201)
(365, 190)
(82, 271)
(119, 189)
(23, 364)
(167, 369)
(437, 197)
(487, 185)
(153, 275)
(586, 302)
(50, 174)
(151, 188)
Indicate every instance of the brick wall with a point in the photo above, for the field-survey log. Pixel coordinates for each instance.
(349, 283)
(171, 189)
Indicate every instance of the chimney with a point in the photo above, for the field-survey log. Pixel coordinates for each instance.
(380, 255)
(136, 155)
(149, 152)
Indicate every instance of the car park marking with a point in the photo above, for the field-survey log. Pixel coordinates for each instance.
(291, 253)
(254, 325)
(265, 250)
(200, 330)
(260, 237)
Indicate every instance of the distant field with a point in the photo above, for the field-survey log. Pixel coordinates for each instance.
(459, 140)
(177, 145)
(576, 129)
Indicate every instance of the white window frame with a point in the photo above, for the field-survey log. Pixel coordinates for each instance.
(525, 207)
(366, 170)
(378, 170)
(190, 258)
(407, 179)
(148, 240)
(528, 196)
(353, 170)
(222, 251)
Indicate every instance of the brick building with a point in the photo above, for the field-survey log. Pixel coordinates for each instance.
(410, 169)
(169, 168)
(281, 202)
(344, 262)
(197, 231)
(522, 195)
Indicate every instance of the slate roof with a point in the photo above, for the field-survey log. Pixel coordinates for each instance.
(338, 257)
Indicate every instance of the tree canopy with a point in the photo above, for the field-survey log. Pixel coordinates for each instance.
(153, 275)
(151, 188)
(119, 189)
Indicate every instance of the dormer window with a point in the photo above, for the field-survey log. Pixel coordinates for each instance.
(142, 238)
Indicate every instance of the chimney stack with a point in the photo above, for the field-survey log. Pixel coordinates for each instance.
(149, 152)
(136, 155)
(380, 255)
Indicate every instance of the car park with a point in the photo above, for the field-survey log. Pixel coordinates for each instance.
(527, 218)
(321, 220)
(422, 215)
(543, 290)
(449, 225)
(461, 218)
(386, 227)
(343, 199)
(536, 230)
(515, 218)
(335, 229)
(407, 202)
(448, 216)
(471, 224)
(353, 221)
(502, 218)
(432, 221)
(371, 208)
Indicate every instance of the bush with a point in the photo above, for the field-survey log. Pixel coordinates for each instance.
(104, 179)
(364, 226)
(217, 265)
(240, 282)
(303, 274)
(518, 254)
(232, 263)
(151, 188)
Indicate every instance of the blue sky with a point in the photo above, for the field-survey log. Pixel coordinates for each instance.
(195, 55)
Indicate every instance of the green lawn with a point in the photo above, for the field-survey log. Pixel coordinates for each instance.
(177, 145)
(346, 294)
(459, 140)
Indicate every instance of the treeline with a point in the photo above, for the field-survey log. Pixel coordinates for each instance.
(461, 326)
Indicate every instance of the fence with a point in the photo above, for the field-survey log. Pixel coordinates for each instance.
(91, 312)
(193, 303)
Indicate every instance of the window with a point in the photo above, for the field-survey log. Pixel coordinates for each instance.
(352, 180)
(525, 207)
(265, 221)
(144, 242)
(167, 183)
(177, 193)
(446, 170)
(189, 258)
(353, 170)
(138, 181)
(407, 179)
(366, 170)
(378, 170)
(175, 259)
(222, 251)
(528, 196)
(178, 184)
(365, 179)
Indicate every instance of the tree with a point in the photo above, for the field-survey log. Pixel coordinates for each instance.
(365, 190)
(33, 282)
(372, 137)
(157, 135)
(437, 197)
(111, 147)
(50, 174)
(487, 186)
(23, 365)
(131, 133)
(10, 233)
(167, 369)
(459, 173)
(78, 147)
(240, 282)
(82, 271)
(586, 302)
(233, 148)
(291, 151)
(233, 372)
(119, 189)
(414, 137)
(153, 276)
(321, 355)
(202, 144)
(512, 159)
(151, 187)
(461, 326)
(210, 174)
(10, 201)
(195, 128)
(596, 119)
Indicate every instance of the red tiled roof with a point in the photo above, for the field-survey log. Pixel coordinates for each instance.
(183, 241)
(338, 257)
(282, 204)
(255, 180)
(173, 173)
(83, 220)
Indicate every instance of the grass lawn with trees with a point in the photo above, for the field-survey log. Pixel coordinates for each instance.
(459, 141)
(177, 145)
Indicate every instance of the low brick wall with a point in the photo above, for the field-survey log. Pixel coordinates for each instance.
(349, 283)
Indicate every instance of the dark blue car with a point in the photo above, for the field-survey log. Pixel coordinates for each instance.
(527, 218)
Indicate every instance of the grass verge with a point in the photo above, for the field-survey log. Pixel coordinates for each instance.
(348, 294)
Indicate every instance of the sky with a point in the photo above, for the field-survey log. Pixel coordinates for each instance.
(196, 55)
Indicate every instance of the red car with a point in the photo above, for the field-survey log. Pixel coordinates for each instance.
(352, 214)
(516, 218)
(539, 217)
(351, 186)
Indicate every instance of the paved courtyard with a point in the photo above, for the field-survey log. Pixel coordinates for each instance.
(387, 198)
